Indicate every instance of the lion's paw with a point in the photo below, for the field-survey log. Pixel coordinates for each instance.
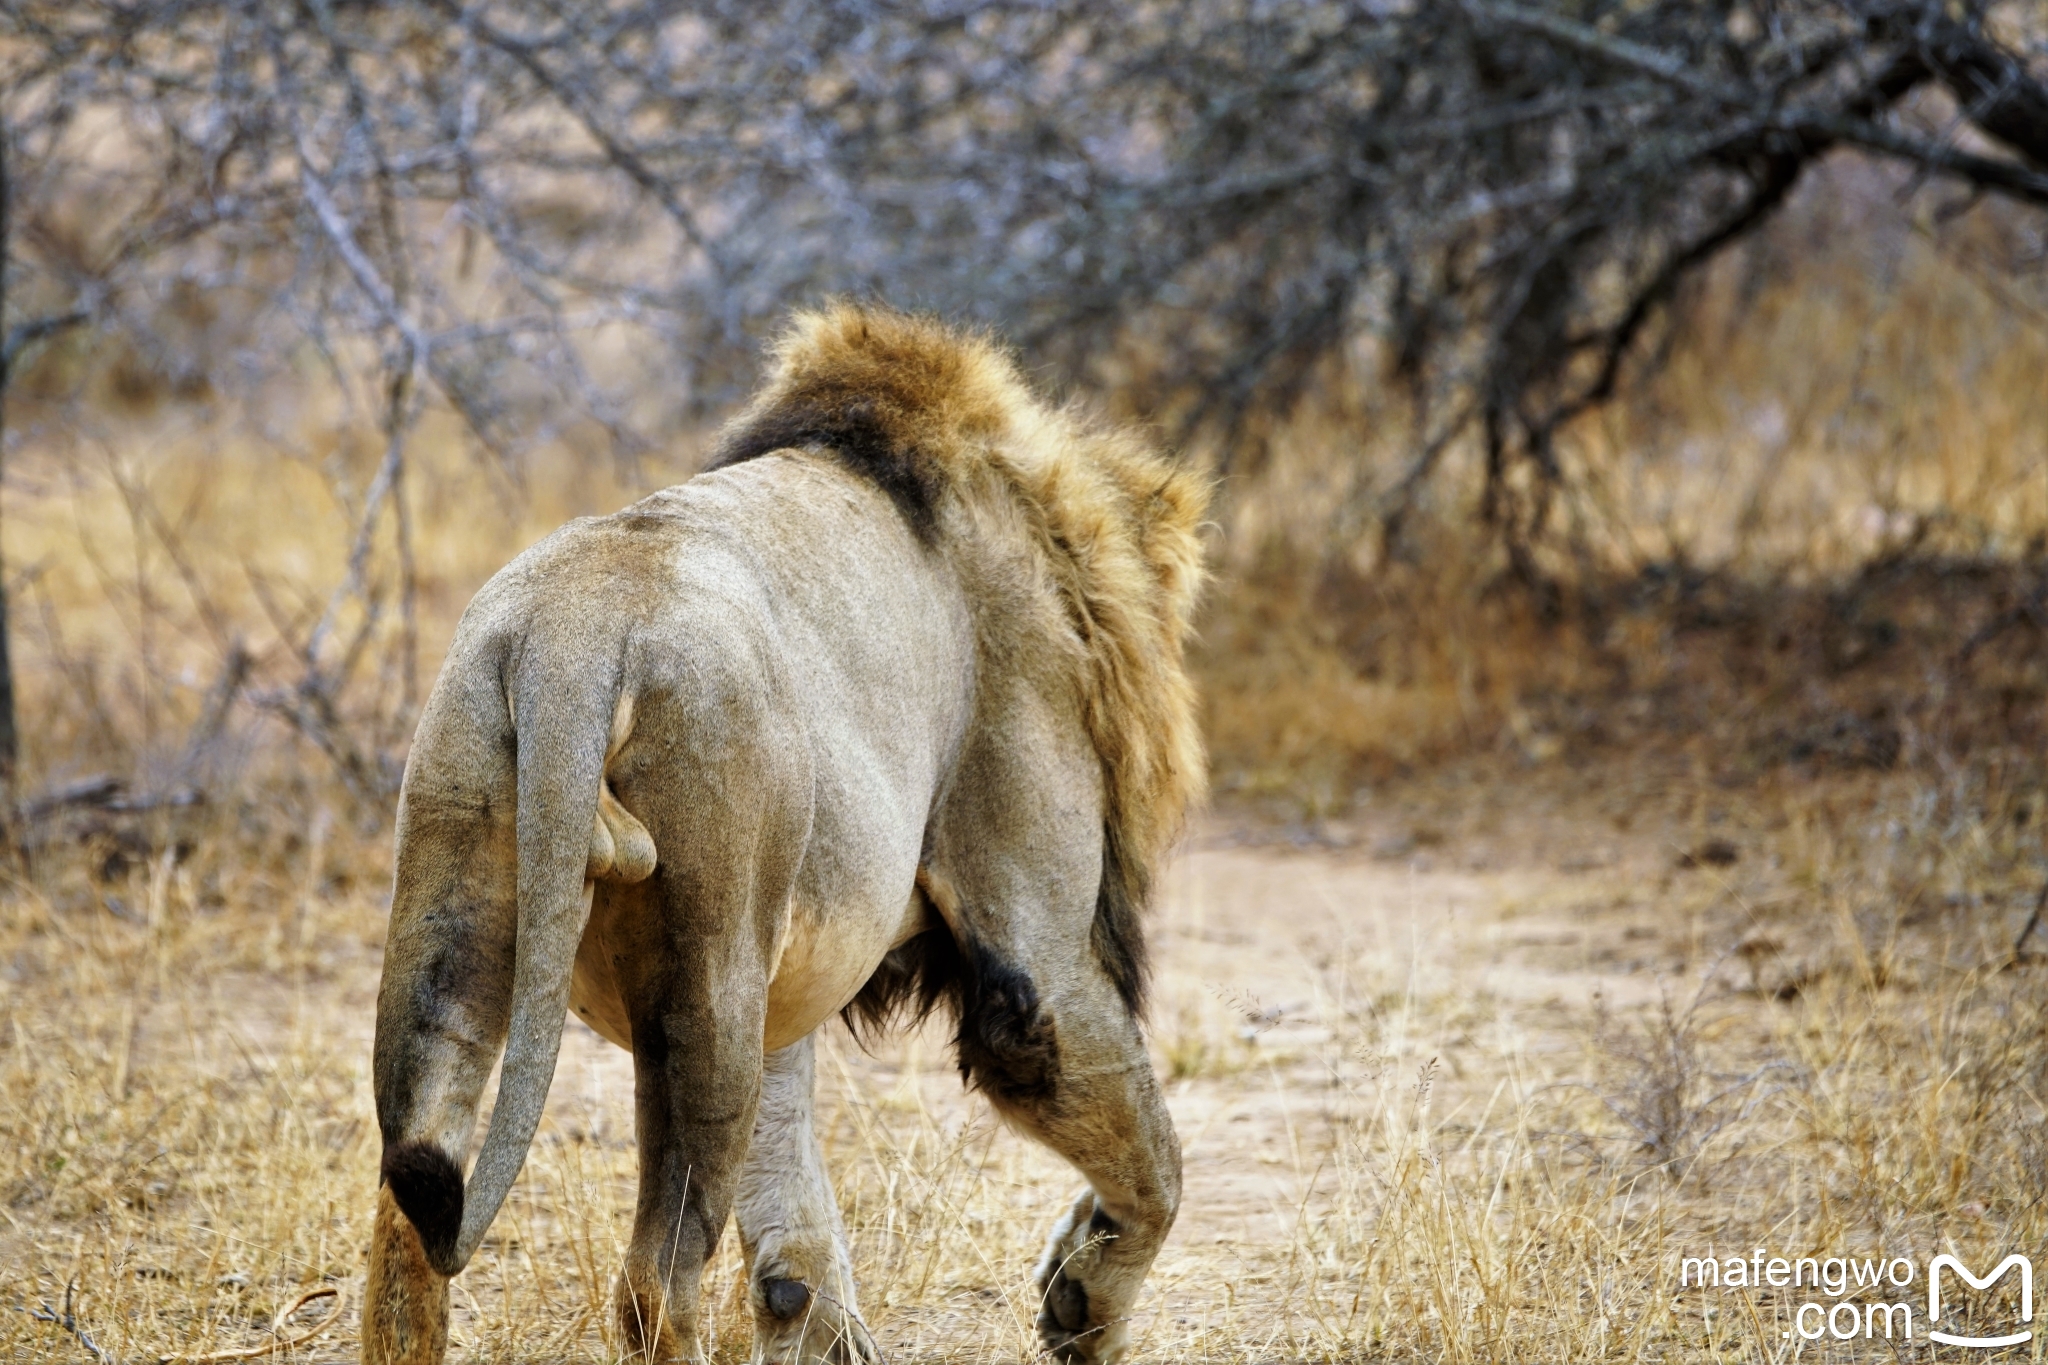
(1076, 1321)
(795, 1324)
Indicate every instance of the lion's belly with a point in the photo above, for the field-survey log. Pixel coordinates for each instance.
(825, 960)
(826, 957)
(594, 993)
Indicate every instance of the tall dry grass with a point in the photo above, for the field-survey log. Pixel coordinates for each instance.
(1386, 1161)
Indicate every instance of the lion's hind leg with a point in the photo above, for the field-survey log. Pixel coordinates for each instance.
(800, 1277)
(729, 808)
(405, 1306)
(442, 1011)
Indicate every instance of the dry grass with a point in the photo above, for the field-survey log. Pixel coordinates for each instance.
(1538, 945)
(1434, 1103)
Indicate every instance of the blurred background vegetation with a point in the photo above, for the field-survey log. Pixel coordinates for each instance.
(1582, 379)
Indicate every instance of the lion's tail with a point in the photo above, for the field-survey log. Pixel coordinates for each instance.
(562, 719)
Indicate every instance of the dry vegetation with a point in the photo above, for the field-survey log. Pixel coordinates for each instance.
(1542, 938)
(1823, 524)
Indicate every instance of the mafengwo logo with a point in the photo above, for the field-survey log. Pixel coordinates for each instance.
(2012, 1262)
(1874, 1298)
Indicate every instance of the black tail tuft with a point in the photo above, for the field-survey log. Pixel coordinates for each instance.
(427, 1184)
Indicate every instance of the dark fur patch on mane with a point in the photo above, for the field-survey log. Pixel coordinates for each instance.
(859, 429)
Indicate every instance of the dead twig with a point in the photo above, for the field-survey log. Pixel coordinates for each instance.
(98, 790)
(213, 714)
(68, 1320)
(2033, 922)
(283, 1343)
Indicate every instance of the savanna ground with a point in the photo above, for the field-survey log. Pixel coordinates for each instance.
(1538, 937)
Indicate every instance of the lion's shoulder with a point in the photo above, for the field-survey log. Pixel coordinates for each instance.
(941, 419)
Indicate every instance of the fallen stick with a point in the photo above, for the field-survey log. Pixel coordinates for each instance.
(277, 1323)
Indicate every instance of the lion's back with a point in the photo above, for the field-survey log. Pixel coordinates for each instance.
(783, 601)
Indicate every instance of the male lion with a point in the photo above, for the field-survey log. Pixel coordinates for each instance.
(885, 711)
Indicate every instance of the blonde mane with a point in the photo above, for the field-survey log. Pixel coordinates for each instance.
(943, 422)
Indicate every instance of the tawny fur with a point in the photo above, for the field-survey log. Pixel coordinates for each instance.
(405, 1315)
(1115, 527)
(889, 704)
